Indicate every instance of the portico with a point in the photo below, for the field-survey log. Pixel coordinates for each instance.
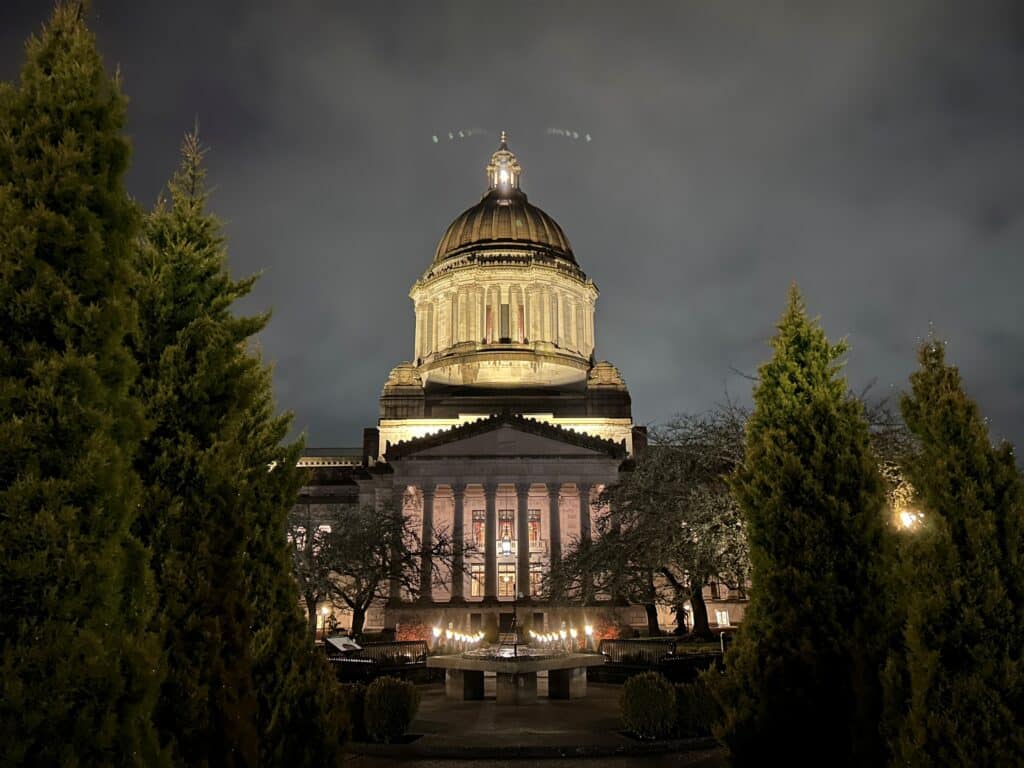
(511, 492)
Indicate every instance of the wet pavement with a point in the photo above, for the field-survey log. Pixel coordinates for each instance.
(585, 732)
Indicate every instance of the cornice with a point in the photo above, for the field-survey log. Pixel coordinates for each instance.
(506, 418)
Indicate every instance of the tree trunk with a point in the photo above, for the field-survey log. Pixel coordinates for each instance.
(701, 627)
(311, 615)
(358, 619)
(652, 619)
(681, 628)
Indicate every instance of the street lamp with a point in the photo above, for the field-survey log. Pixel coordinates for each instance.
(324, 610)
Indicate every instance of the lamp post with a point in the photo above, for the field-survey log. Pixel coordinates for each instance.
(324, 610)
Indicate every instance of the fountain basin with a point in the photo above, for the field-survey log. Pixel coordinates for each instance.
(516, 675)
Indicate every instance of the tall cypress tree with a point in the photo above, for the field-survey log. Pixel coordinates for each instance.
(964, 573)
(197, 383)
(78, 667)
(801, 680)
(243, 685)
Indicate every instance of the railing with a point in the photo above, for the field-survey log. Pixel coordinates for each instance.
(646, 652)
(401, 657)
(395, 653)
(626, 658)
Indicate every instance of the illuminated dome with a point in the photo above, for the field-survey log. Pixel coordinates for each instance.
(503, 218)
(504, 305)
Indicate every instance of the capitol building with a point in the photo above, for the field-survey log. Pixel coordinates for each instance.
(503, 427)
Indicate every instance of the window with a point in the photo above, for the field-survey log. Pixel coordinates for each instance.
(534, 523)
(521, 331)
(505, 528)
(479, 528)
(321, 535)
(536, 579)
(555, 338)
(506, 334)
(722, 618)
(506, 580)
(476, 580)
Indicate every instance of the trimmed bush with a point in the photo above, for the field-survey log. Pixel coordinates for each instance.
(354, 696)
(389, 707)
(696, 709)
(648, 705)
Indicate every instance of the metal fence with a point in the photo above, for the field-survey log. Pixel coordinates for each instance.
(643, 652)
(625, 658)
(402, 658)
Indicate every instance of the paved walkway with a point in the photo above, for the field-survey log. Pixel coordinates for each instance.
(482, 730)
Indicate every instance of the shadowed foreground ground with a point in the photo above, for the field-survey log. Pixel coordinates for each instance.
(585, 732)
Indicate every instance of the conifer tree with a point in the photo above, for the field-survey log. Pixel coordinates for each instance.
(79, 668)
(801, 681)
(196, 383)
(964, 577)
(243, 686)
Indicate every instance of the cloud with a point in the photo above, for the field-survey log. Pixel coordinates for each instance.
(869, 151)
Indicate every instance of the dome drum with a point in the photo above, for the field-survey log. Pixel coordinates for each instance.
(513, 367)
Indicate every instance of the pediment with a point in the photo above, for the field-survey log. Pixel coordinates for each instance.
(508, 441)
(509, 436)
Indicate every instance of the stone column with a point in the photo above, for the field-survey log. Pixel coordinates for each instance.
(427, 543)
(584, 490)
(523, 536)
(458, 542)
(554, 512)
(585, 537)
(395, 581)
(491, 543)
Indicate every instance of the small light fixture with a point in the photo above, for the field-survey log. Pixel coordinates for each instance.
(573, 633)
(324, 610)
(588, 630)
(437, 632)
(506, 547)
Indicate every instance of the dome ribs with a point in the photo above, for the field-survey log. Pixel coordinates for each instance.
(504, 218)
(531, 224)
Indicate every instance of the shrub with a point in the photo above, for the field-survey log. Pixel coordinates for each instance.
(696, 709)
(648, 705)
(354, 697)
(389, 707)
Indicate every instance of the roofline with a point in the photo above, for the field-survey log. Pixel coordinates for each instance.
(505, 418)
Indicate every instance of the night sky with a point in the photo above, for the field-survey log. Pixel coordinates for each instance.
(871, 151)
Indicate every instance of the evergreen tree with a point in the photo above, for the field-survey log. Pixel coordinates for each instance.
(244, 685)
(301, 716)
(197, 383)
(964, 573)
(79, 668)
(801, 683)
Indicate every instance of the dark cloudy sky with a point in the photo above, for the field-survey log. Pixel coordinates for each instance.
(871, 151)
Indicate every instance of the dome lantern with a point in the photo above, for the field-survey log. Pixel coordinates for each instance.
(503, 218)
(503, 170)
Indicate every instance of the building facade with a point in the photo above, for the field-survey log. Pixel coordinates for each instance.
(503, 428)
